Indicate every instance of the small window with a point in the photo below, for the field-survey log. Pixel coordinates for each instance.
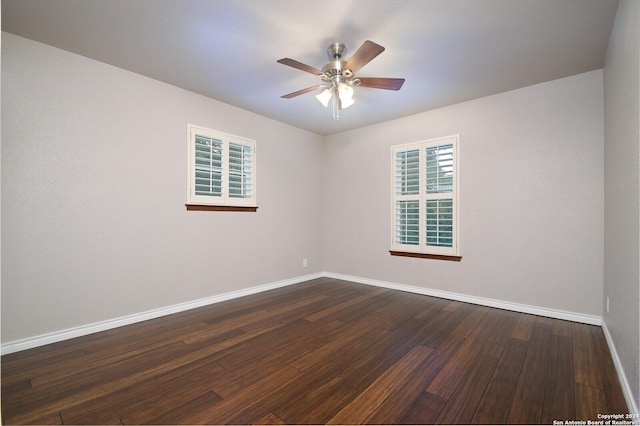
(222, 171)
(425, 199)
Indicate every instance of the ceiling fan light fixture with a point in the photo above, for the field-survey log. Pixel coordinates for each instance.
(346, 102)
(345, 93)
(324, 97)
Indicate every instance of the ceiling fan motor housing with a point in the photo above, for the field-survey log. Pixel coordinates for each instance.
(335, 70)
(336, 50)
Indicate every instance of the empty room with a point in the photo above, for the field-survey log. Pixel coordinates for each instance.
(320, 212)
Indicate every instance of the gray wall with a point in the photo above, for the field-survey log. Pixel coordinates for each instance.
(622, 189)
(94, 225)
(531, 197)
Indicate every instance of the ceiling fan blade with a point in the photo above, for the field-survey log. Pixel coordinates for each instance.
(382, 83)
(300, 92)
(364, 55)
(299, 65)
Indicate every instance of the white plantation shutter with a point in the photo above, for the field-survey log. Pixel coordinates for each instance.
(408, 222)
(240, 170)
(407, 195)
(222, 169)
(439, 166)
(439, 223)
(208, 166)
(408, 172)
(425, 197)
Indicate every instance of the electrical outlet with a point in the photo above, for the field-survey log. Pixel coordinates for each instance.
(607, 304)
(305, 263)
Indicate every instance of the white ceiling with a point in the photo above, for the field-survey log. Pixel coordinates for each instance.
(447, 50)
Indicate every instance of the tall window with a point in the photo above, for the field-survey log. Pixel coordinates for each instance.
(221, 169)
(425, 199)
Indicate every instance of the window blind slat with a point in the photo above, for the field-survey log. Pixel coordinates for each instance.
(407, 170)
(240, 170)
(439, 223)
(208, 166)
(439, 169)
(408, 222)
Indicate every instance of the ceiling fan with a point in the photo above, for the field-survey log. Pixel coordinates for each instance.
(338, 76)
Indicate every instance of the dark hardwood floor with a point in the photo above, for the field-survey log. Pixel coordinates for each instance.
(325, 351)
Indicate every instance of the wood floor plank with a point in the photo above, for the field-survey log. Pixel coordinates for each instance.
(562, 328)
(109, 386)
(462, 405)
(229, 408)
(496, 402)
(52, 418)
(239, 375)
(528, 398)
(366, 404)
(270, 419)
(320, 351)
(344, 306)
(101, 417)
(20, 370)
(319, 404)
(424, 411)
(355, 364)
(433, 307)
(356, 331)
(523, 327)
(448, 379)
(217, 328)
(497, 341)
(453, 305)
(364, 309)
(182, 411)
(350, 371)
(589, 399)
(585, 365)
(471, 321)
(544, 320)
(413, 389)
(443, 324)
(118, 363)
(146, 399)
(82, 386)
(283, 345)
(559, 394)
(398, 403)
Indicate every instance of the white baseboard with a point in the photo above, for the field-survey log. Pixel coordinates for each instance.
(622, 377)
(45, 339)
(510, 306)
(70, 333)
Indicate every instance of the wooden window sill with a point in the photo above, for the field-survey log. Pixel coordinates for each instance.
(426, 256)
(203, 207)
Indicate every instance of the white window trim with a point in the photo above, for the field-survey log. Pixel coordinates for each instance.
(422, 197)
(224, 200)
